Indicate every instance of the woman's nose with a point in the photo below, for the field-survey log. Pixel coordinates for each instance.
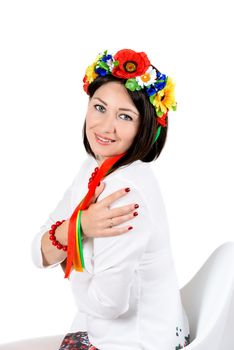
(109, 123)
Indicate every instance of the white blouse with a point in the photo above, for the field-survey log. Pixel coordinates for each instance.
(128, 295)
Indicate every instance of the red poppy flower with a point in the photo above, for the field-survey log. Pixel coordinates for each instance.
(131, 64)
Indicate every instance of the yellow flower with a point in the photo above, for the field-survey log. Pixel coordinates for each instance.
(165, 98)
(90, 73)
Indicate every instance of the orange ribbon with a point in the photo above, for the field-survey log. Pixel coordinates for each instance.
(73, 256)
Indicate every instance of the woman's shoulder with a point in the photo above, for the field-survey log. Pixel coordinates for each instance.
(144, 189)
(138, 173)
(141, 167)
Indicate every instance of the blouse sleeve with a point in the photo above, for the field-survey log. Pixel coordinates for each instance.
(104, 289)
(62, 211)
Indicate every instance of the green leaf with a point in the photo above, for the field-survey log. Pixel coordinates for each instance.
(152, 97)
(103, 65)
(160, 114)
(131, 84)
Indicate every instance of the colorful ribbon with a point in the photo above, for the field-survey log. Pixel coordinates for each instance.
(75, 251)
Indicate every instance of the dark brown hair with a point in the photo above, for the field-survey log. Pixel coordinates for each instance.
(143, 147)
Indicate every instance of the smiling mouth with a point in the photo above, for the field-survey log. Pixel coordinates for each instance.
(103, 141)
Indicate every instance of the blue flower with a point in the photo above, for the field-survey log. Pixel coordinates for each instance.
(151, 90)
(106, 58)
(161, 76)
(160, 85)
(101, 72)
(157, 86)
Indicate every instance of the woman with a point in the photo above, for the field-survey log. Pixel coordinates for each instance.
(119, 263)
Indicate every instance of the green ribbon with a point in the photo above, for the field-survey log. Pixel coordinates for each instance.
(157, 133)
(79, 238)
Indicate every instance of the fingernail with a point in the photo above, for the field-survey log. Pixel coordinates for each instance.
(127, 189)
(130, 228)
(136, 206)
(135, 214)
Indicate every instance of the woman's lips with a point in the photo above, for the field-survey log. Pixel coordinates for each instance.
(103, 141)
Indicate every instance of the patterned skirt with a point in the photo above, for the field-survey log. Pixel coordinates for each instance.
(75, 341)
(80, 340)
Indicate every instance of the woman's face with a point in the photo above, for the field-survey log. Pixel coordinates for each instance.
(112, 121)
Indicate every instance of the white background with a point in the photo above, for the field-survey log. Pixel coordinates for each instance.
(45, 48)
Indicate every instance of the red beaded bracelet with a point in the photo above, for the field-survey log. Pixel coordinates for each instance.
(52, 237)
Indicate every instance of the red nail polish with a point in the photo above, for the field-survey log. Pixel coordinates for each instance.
(130, 228)
(136, 206)
(135, 214)
(127, 189)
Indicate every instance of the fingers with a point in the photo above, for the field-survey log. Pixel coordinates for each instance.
(120, 214)
(122, 210)
(121, 219)
(108, 220)
(116, 231)
(97, 192)
(99, 189)
(106, 202)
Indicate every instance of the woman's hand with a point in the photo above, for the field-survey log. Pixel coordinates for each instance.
(96, 221)
(100, 221)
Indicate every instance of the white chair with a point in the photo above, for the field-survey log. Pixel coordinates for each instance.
(208, 299)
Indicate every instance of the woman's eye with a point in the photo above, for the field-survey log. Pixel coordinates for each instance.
(125, 117)
(99, 108)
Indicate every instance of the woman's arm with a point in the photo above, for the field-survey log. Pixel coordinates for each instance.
(103, 289)
(95, 223)
(50, 254)
(99, 220)
(44, 254)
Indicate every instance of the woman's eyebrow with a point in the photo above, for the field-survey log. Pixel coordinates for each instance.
(97, 98)
(121, 109)
(128, 110)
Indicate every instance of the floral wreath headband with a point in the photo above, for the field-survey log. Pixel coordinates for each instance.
(139, 74)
